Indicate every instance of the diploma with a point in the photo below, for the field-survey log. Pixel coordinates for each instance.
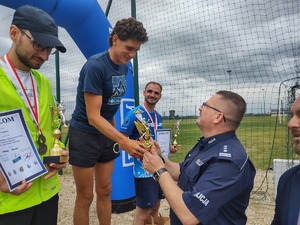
(19, 159)
(163, 138)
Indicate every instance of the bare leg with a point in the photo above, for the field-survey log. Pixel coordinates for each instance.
(155, 214)
(140, 216)
(84, 194)
(103, 174)
(154, 211)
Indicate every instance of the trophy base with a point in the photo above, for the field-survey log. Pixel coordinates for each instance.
(56, 159)
(177, 147)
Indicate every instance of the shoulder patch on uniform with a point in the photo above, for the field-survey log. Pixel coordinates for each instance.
(224, 152)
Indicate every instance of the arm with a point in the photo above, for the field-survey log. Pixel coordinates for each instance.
(93, 105)
(152, 162)
(113, 122)
(172, 167)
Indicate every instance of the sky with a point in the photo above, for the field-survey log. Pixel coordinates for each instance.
(192, 46)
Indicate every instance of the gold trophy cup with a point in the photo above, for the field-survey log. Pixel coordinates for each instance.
(56, 151)
(175, 134)
(143, 128)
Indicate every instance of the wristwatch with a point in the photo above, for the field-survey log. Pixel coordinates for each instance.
(157, 174)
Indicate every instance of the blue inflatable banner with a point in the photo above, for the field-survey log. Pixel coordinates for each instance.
(88, 26)
(123, 190)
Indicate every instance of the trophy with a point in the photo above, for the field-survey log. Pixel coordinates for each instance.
(143, 128)
(175, 134)
(56, 151)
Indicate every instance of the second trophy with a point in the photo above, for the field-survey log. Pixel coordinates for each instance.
(175, 134)
(56, 151)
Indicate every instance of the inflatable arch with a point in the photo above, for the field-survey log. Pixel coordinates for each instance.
(88, 26)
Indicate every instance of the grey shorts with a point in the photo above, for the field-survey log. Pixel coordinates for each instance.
(86, 149)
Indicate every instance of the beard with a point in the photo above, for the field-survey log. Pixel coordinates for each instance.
(26, 62)
(296, 147)
(151, 103)
(24, 57)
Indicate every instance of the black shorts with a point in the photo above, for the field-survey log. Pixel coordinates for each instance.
(44, 213)
(148, 192)
(86, 149)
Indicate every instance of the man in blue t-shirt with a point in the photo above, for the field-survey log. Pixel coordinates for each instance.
(287, 208)
(216, 177)
(93, 137)
(148, 192)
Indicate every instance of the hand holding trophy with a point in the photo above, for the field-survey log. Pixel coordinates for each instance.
(56, 151)
(143, 128)
(175, 134)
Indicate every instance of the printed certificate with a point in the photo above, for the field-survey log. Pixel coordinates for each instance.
(163, 138)
(19, 159)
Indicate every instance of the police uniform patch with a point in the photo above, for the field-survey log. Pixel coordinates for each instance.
(224, 152)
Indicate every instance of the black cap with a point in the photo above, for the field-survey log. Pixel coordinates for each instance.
(40, 24)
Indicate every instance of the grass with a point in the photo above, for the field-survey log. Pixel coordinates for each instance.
(263, 137)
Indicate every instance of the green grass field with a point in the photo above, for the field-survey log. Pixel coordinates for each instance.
(263, 137)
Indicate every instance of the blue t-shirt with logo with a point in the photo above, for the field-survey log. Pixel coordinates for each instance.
(100, 76)
(128, 127)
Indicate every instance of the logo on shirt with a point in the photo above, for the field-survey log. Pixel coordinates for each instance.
(138, 111)
(119, 89)
(201, 198)
(211, 141)
(199, 162)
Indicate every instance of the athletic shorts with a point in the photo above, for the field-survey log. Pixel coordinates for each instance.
(86, 149)
(147, 192)
(42, 214)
